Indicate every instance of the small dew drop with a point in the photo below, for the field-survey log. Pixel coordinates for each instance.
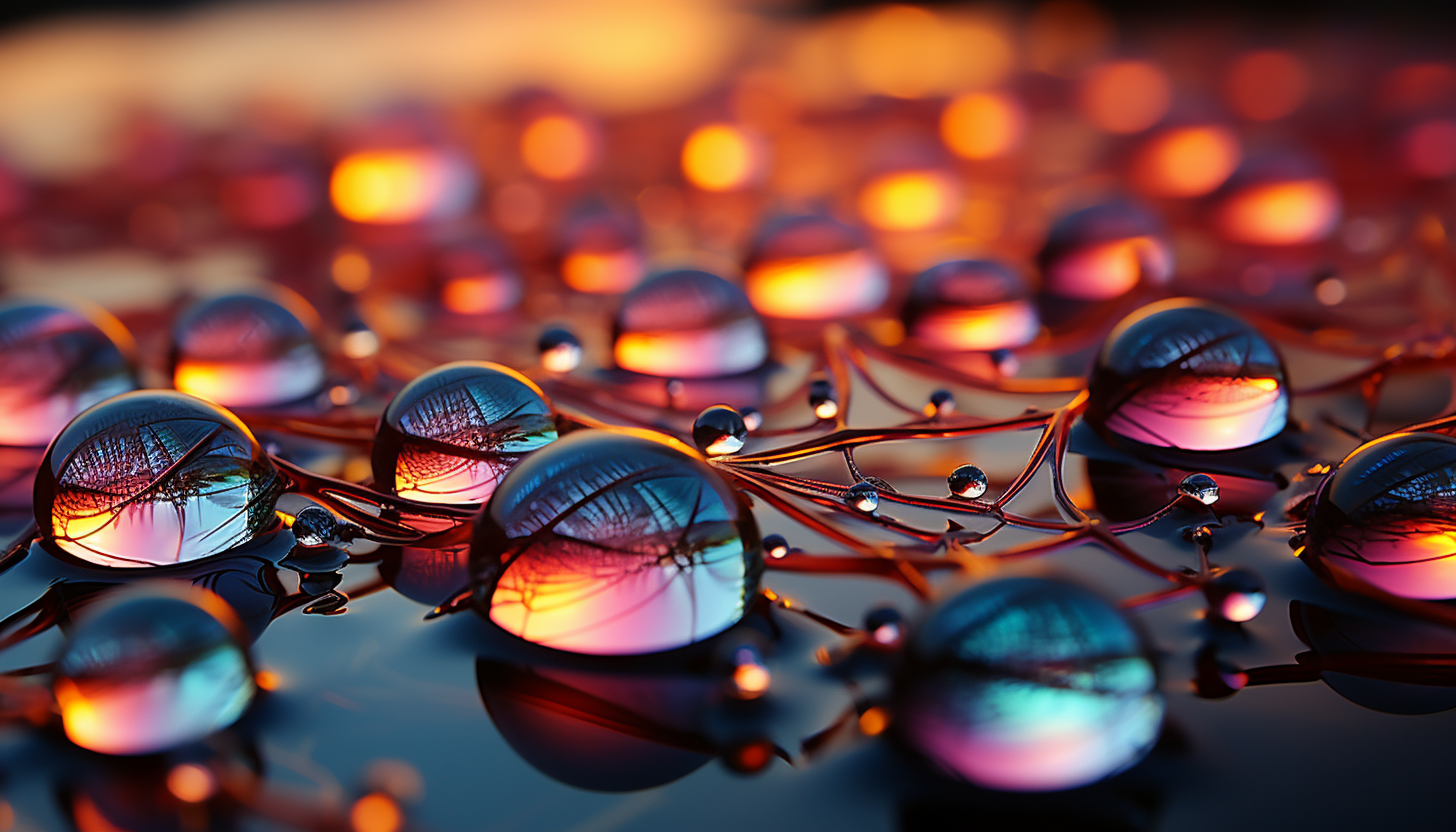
(942, 403)
(823, 399)
(863, 497)
(719, 431)
(775, 546)
(560, 351)
(1237, 595)
(1200, 487)
(968, 482)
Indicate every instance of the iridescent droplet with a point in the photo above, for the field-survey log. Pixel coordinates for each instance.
(154, 666)
(1102, 252)
(965, 305)
(688, 323)
(450, 435)
(153, 478)
(968, 481)
(1200, 487)
(54, 363)
(248, 350)
(814, 268)
(1028, 684)
(863, 496)
(1188, 374)
(615, 543)
(1237, 595)
(560, 350)
(719, 430)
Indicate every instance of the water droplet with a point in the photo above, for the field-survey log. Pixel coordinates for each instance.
(942, 403)
(814, 268)
(314, 526)
(750, 678)
(690, 324)
(1236, 595)
(248, 350)
(154, 666)
(1280, 200)
(560, 351)
(823, 399)
(451, 434)
(1191, 375)
(885, 626)
(1200, 536)
(965, 305)
(752, 419)
(1200, 487)
(719, 430)
(474, 275)
(775, 546)
(601, 250)
(1028, 684)
(863, 496)
(154, 478)
(1384, 516)
(1102, 252)
(615, 543)
(968, 481)
(54, 363)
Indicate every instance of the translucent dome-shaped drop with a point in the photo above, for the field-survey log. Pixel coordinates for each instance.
(600, 250)
(1281, 200)
(1187, 374)
(614, 543)
(1103, 251)
(1028, 684)
(248, 350)
(688, 324)
(451, 434)
(1387, 516)
(54, 363)
(970, 305)
(814, 268)
(475, 276)
(154, 478)
(152, 667)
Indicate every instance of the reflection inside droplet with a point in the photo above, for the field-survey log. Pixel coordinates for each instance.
(248, 350)
(1103, 251)
(970, 305)
(814, 268)
(688, 324)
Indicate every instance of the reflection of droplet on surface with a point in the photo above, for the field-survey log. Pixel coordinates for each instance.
(615, 544)
(688, 324)
(1102, 252)
(719, 430)
(54, 363)
(450, 435)
(1386, 516)
(814, 268)
(970, 305)
(248, 350)
(1237, 595)
(154, 478)
(1188, 374)
(968, 481)
(1200, 487)
(153, 667)
(560, 350)
(1028, 685)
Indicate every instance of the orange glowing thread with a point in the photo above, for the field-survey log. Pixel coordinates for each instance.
(602, 272)
(1282, 213)
(376, 812)
(1187, 161)
(1125, 96)
(874, 721)
(982, 125)
(557, 147)
(719, 157)
(191, 783)
(907, 201)
(1266, 85)
(351, 270)
(384, 186)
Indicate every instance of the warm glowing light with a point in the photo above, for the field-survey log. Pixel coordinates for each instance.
(557, 147)
(1429, 148)
(480, 294)
(191, 783)
(983, 125)
(400, 186)
(750, 680)
(375, 812)
(267, 680)
(909, 52)
(360, 343)
(908, 201)
(609, 272)
(1268, 84)
(827, 409)
(816, 288)
(1108, 270)
(1187, 161)
(1125, 96)
(874, 721)
(1281, 213)
(992, 327)
(251, 384)
(720, 157)
(727, 350)
(351, 270)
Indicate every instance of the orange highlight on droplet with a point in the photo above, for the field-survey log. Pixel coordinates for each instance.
(1187, 161)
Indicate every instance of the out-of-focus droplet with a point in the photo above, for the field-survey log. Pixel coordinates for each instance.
(1237, 595)
(191, 782)
(391, 187)
(248, 350)
(614, 543)
(942, 403)
(965, 305)
(1200, 487)
(54, 363)
(750, 678)
(864, 497)
(823, 399)
(752, 419)
(559, 146)
(154, 478)
(1267, 84)
(376, 812)
(155, 666)
(560, 350)
(968, 482)
(1428, 148)
(601, 251)
(1188, 374)
(265, 187)
(1028, 684)
(719, 430)
(314, 526)
(913, 199)
(474, 276)
(1278, 201)
(450, 435)
(1125, 96)
(983, 125)
(885, 626)
(775, 546)
(814, 268)
(1103, 251)
(723, 157)
(1187, 161)
(690, 324)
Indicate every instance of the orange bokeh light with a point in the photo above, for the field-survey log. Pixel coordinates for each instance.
(602, 272)
(558, 147)
(1125, 96)
(1267, 84)
(351, 270)
(982, 125)
(394, 186)
(908, 200)
(720, 157)
(1187, 161)
(375, 812)
(191, 782)
(1281, 213)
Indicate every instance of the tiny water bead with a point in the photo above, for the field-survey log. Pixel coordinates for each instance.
(1387, 516)
(1200, 487)
(1028, 684)
(970, 305)
(314, 526)
(688, 323)
(1237, 595)
(885, 626)
(863, 496)
(615, 543)
(823, 399)
(814, 268)
(248, 350)
(942, 403)
(153, 478)
(54, 363)
(1188, 374)
(1103, 251)
(154, 666)
(560, 350)
(450, 435)
(719, 430)
(775, 546)
(968, 482)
